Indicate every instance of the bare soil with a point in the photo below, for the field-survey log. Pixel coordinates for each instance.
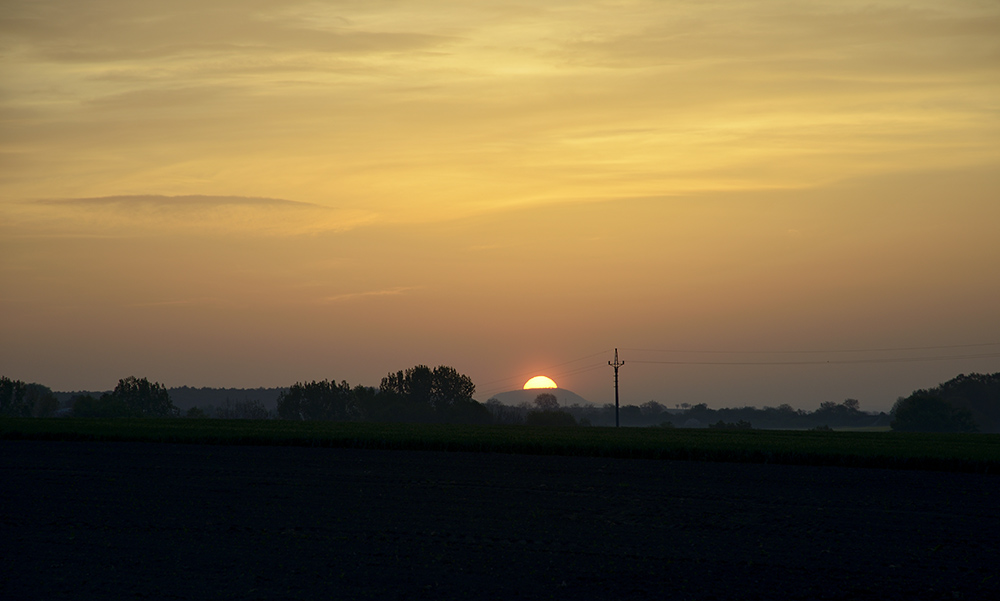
(141, 520)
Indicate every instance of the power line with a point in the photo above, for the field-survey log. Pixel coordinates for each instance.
(829, 362)
(579, 370)
(500, 385)
(814, 352)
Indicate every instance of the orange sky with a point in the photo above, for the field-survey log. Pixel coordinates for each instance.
(251, 193)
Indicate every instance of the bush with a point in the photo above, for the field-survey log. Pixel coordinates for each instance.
(246, 409)
(196, 413)
(106, 406)
(740, 425)
(466, 412)
(550, 418)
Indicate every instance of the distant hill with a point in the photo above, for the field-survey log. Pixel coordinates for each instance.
(516, 397)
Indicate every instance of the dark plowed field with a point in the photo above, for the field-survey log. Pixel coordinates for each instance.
(131, 520)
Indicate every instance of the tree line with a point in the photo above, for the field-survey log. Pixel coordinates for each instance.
(418, 394)
(847, 414)
(967, 403)
(132, 397)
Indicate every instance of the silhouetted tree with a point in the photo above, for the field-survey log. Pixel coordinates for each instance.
(143, 398)
(438, 389)
(652, 409)
(505, 414)
(546, 402)
(414, 384)
(924, 411)
(546, 412)
(842, 414)
(13, 398)
(18, 399)
(699, 414)
(979, 393)
(366, 401)
(42, 400)
(450, 387)
(318, 401)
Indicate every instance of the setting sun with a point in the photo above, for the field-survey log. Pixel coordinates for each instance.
(540, 382)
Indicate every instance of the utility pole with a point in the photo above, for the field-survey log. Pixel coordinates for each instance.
(616, 365)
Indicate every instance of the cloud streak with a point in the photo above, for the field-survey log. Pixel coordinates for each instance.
(126, 31)
(129, 215)
(352, 296)
(187, 202)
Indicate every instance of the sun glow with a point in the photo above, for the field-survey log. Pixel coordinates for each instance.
(540, 382)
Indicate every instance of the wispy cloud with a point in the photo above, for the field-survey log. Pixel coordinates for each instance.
(128, 31)
(184, 302)
(146, 214)
(397, 291)
(195, 201)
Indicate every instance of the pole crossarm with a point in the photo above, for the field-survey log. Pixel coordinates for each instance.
(616, 365)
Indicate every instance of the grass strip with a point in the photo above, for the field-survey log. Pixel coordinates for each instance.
(975, 453)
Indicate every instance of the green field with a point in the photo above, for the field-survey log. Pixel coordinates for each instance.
(978, 453)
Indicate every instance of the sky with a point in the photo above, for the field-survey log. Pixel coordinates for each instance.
(757, 203)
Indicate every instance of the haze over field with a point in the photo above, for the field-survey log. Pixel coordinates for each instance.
(244, 194)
